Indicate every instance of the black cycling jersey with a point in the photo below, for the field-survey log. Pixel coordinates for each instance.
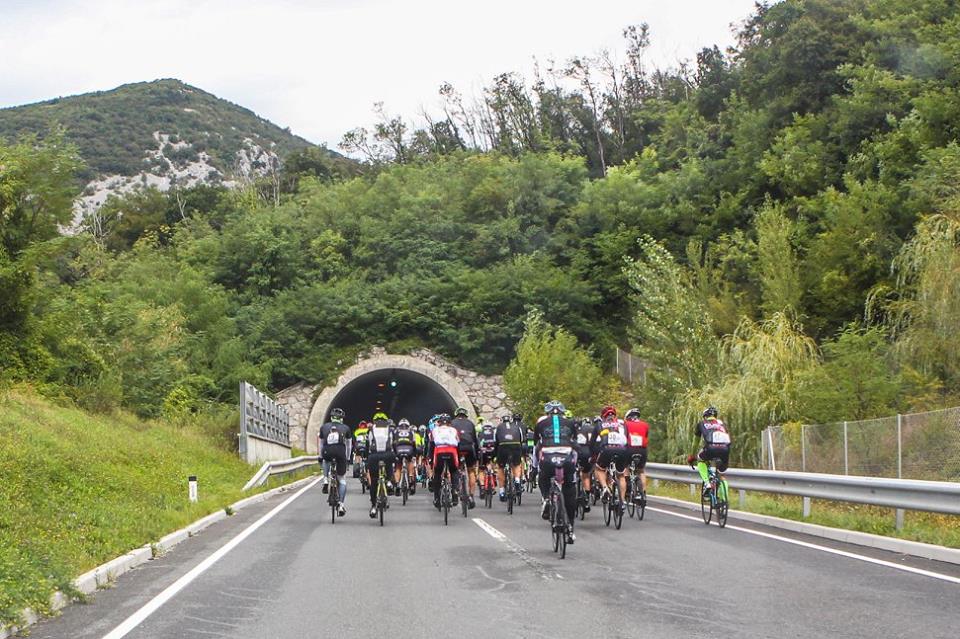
(555, 430)
(487, 436)
(334, 436)
(588, 435)
(509, 433)
(714, 433)
(468, 433)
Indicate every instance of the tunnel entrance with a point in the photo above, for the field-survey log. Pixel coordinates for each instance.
(399, 385)
(397, 392)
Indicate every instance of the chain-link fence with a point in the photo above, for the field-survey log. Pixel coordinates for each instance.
(631, 368)
(913, 446)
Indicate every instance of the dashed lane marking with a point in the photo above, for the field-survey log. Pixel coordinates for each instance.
(518, 550)
(827, 549)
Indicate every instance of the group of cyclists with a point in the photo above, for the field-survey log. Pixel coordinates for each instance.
(558, 446)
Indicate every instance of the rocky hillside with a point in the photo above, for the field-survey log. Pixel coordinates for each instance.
(160, 134)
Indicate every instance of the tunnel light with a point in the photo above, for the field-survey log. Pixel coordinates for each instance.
(393, 383)
(381, 385)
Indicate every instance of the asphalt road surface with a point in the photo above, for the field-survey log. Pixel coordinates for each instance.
(495, 575)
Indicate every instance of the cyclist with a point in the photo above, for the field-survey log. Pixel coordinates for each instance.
(638, 436)
(468, 450)
(334, 450)
(421, 440)
(359, 447)
(405, 448)
(612, 450)
(486, 442)
(716, 446)
(555, 437)
(529, 448)
(443, 447)
(587, 435)
(508, 449)
(380, 451)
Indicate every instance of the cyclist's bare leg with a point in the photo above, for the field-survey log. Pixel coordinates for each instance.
(602, 478)
(585, 476)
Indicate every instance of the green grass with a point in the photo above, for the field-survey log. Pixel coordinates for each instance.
(930, 528)
(78, 489)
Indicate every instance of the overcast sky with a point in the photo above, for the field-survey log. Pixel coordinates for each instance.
(318, 66)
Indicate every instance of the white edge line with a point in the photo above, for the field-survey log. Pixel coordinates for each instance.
(154, 604)
(827, 549)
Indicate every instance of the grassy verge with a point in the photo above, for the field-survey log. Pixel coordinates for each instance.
(943, 530)
(77, 490)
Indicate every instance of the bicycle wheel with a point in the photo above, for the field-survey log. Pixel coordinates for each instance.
(607, 511)
(554, 527)
(405, 487)
(511, 489)
(445, 499)
(562, 526)
(723, 508)
(706, 504)
(642, 505)
(617, 507)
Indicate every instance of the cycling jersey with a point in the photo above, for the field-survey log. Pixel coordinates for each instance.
(714, 433)
(487, 437)
(468, 434)
(335, 436)
(380, 438)
(638, 433)
(554, 431)
(360, 440)
(613, 434)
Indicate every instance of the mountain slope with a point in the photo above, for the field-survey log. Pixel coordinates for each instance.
(162, 133)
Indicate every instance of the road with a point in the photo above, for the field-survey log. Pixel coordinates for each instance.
(667, 576)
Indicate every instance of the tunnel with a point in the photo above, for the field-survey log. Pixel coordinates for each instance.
(398, 392)
(399, 385)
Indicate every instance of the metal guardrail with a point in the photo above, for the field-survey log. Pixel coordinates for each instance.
(280, 467)
(906, 494)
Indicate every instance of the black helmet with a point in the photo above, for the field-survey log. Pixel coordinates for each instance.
(711, 411)
(634, 412)
(337, 414)
(443, 418)
(517, 417)
(460, 411)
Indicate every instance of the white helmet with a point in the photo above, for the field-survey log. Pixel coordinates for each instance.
(404, 422)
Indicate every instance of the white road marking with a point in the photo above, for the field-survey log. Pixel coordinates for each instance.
(154, 604)
(516, 549)
(827, 549)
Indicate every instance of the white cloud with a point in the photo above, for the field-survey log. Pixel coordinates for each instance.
(318, 66)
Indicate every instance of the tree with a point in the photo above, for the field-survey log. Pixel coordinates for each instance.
(549, 364)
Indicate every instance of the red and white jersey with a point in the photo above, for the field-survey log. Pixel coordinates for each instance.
(638, 433)
(445, 435)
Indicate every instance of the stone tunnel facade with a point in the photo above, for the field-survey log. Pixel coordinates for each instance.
(307, 404)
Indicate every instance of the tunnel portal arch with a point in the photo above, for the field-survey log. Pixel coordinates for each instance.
(420, 380)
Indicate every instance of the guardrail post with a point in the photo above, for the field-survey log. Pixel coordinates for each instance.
(656, 483)
(693, 489)
(743, 497)
(900, 512)
(846, 462)
(806, 507)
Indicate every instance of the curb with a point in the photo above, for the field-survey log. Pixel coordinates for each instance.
(106, 574)
(891, 544)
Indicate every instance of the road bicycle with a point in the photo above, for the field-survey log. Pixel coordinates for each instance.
(510, 488)
(404, 481)
(613, 507)
(559, 526)
(711, 499)
(636, 495)
(531, 475)
(583, 498)
(446, 495)
(364, 484)
(382, 502)
(333, 498)
(489, 485)
(464, 492)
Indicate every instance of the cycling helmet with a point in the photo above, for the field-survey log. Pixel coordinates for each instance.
(553, 406)
(597, 419)
(710, 412)
(517, 417)
(568, 413)
(505, 419)
(608, 411)
(379, 415)
(337, 414)
(404, 422)
(480, 420)
(443, 419)
(634, 412)
(461, 411)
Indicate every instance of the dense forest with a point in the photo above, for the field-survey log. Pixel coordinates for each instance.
(775, 228)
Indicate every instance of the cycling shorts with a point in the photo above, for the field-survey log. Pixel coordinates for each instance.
(486, 457)
(405, 452)
(585, 460)
(620, 457)
(640, 452)
(507, 454)
(337, 456)
(720, 455)
(470, 459)
(375, 459)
